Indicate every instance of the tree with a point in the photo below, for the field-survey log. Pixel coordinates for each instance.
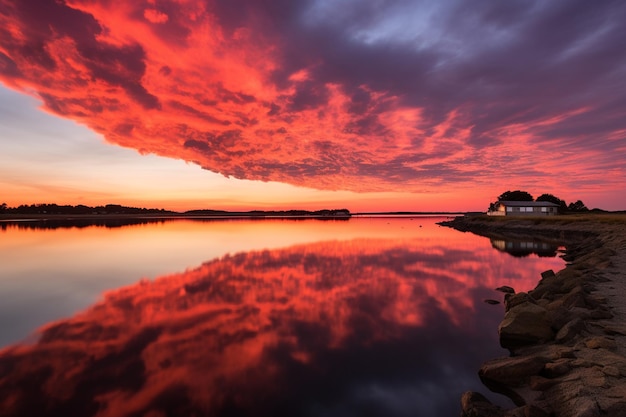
(577, 206)
(553, 199)
(516, 195)
(3, 207)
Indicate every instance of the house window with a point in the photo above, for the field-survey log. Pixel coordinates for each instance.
(509, 209)
(545, 209)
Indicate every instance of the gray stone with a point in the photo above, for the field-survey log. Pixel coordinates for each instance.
(513, 371)
(575, 298)
(513, 300)
(540, 383)
(558, 315)
(548, 286)
(613, 401)
(570, 330)
(600, 342)
(557, 368)
(533, 410)
(524, 325)
(582, 407)
(611, 371)
(506, 289)
(474, 404)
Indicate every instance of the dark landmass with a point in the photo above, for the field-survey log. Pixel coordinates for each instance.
(44, 210)
(567, 337)
(54, 209)
(335, 213)
(52, 216)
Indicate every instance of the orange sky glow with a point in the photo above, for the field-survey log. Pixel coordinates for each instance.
(309, 104)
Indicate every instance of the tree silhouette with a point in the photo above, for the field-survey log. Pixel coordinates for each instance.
(553, 199)
(577, 206)
(516, 195)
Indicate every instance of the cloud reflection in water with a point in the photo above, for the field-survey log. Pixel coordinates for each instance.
(359, 327)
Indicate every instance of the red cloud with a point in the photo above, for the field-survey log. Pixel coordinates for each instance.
(257, 91)
(155, 16)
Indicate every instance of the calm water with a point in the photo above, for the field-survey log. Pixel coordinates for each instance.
(375, 317)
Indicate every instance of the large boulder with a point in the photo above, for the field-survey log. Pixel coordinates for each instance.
(515, 371)
(474, 404)
(525, 324)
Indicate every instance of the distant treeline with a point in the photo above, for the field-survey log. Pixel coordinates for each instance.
(273, 213)
(110, 209)
(78, 210)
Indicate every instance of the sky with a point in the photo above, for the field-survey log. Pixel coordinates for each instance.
(364, 104)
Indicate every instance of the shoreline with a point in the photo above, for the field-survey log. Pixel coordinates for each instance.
(7, 218)
(567, 337)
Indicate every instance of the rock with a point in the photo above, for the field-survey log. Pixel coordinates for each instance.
(601, 314)
(600, 342)
(595, 379)
(582, 407)
(533, 410)
(582, 363)
(613, 401)
(602, 358)
(575, 298)
(540, 383)
(548, 286)
(611, 371)
(513, 300)
(615, 329)
(511, 372)
(567, 353)
(570, 330)
(583, 374)
(558, 315)
(506, 289)
(474, 404)
(616, 409)
(525, 325)
(557, 368)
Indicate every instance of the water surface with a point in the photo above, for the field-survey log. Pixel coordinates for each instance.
(380, 317)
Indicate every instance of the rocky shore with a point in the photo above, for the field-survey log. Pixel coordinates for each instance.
(567, 337)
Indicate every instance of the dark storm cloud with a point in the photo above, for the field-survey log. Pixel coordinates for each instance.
(511, 63)
(374, 95)
(503, 63)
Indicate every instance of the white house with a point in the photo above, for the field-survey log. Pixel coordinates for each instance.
(524, 208)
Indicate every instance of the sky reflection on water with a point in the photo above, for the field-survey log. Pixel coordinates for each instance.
(386, 319)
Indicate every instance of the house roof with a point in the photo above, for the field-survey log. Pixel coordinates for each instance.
(528, 203)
